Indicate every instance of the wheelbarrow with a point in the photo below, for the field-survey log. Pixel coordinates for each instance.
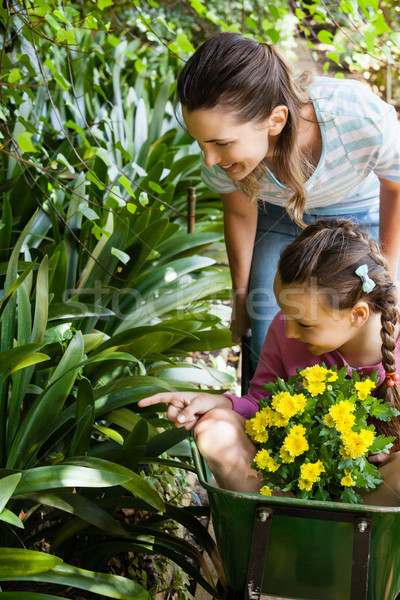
(302, 549)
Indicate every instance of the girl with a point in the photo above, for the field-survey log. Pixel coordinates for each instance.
(329, 314)
(302, 148)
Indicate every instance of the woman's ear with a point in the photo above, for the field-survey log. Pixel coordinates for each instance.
(359, 314)
(277, 120)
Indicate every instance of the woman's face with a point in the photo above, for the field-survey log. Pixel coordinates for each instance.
(237, 148)
(311, 320)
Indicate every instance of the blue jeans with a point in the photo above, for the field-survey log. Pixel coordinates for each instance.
(275, 230)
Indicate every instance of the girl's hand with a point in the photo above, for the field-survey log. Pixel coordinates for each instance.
(186, 408)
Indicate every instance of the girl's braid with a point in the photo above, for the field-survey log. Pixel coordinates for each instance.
(385, 302)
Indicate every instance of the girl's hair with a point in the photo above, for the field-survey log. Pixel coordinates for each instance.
(327, 254)
(250, 79)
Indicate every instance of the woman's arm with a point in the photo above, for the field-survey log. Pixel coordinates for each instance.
(389, 219)
(240, 225)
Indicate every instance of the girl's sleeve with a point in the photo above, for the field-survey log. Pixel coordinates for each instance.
(270, 366)
(388, 163)
(215, 179)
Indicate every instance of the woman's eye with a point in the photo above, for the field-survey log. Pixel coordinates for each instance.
(304, 326)
(221, 143)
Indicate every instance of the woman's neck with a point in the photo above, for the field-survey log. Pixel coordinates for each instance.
(309, 137)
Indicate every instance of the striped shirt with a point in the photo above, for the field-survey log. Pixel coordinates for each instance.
(360, 143)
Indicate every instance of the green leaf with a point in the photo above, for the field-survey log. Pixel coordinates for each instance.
(325, 36)
(183, 43)
(7, 487)
(32, 596)
(124, 181)
(122, 256)
(9, 517)
(14, 76)
(78, 505)
(109, 586)
(133, 482)
(25, 142)
(88, 212)
(67, 475)
(102, 4)
(15, 562)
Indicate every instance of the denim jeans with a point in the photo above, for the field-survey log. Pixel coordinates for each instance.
(275, 230)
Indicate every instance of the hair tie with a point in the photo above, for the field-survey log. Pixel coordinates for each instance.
(368, 283)
(391, 378)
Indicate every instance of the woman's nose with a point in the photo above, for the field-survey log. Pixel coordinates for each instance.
(211, 157)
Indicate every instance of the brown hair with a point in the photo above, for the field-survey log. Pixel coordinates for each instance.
(328, 252)
(251, 79)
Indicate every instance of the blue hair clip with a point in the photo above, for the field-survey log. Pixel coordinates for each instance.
(368, 283)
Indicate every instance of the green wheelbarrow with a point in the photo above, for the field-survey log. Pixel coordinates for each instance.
(302, 549)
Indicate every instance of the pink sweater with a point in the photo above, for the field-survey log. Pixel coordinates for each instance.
(281, 356)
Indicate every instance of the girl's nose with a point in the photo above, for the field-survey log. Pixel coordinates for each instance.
(291, 331)
(211, 157)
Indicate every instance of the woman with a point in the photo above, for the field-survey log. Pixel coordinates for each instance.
(282, 152)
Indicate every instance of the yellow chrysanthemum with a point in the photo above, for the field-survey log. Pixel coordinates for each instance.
(309, 473)
(288, 405)
(266, 490)
(304, 484)
(364, 388)
(356, 444)
(329, 421)
(314, 373)
(316, 377)
(332, 376)
(342, 415)
(285, 455)
(295, 442)
(347, 481)
(264, 460)
(256, 427)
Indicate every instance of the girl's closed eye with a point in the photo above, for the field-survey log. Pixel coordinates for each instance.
(304, 326)
(222, 143)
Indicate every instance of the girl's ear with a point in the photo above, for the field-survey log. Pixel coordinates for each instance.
(277, 120)
(359, 314)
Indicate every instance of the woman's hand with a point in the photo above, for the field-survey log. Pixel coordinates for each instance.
(186, 408)
(377, 458)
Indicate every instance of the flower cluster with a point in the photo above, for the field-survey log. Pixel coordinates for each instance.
(314, 434)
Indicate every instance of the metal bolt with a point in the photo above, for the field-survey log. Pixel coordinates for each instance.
(264, 514)
(362, 526)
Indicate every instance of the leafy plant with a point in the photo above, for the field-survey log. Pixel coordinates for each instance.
(314, 436)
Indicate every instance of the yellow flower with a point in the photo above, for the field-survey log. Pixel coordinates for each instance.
(266, 490)
(286, 456)
(309, 474)
(347, 481)
(264, 460)
(364, 388)
(341, 414)
(315, 378)
(329, 421)
(315, 373)
(356, 444)
(304, 484)
(256, 427)
(288, 405)
(295, 442)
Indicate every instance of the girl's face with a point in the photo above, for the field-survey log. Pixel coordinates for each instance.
(237, 148)
(311, 320)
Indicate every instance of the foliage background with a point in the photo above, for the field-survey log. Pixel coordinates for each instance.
(105, 296)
